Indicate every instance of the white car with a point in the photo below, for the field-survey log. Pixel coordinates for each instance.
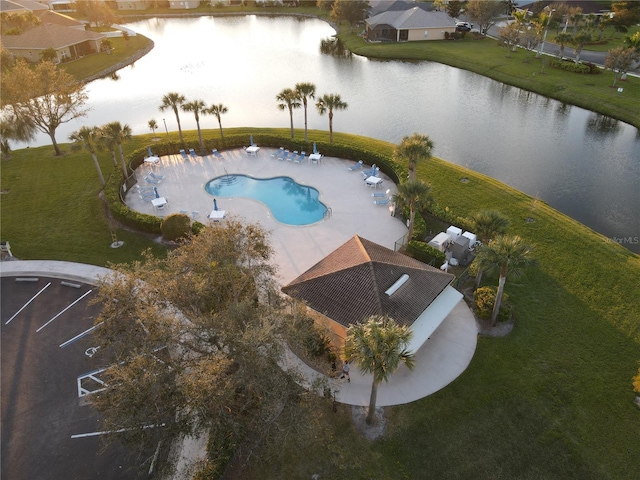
(464, 26)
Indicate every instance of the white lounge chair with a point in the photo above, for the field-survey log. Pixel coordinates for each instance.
(382, 201)
(357, 166)
(381, 194)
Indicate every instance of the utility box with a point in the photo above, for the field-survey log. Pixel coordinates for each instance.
(440, 241)
(473, 239)
(460, 249)
(454, 232)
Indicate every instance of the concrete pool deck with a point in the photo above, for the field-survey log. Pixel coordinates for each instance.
(296, 247)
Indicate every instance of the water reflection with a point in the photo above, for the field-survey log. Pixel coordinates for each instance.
(602, 125)
(334, 47)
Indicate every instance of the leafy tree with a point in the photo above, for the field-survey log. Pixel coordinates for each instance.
(152, 126)
(217, 111)
(17, 23)
(562, 39)
(510, 35)
(174, 101)
(579, 40)
(508, 254)
(106, 45)
(289, 100)
(327, 104)
(97, 13)
(352, 11)
(49, 55)
(43, 96)
(326, 5)
(633, 41)
(484, 12)
(88, 138)
(115, 133)
(487, 224)
(196, 345)
(197, 107)
(414, 194)
(454, 8)
(6, 60)
(378, 347)
(12, 129)
(531, 38)
(305, 91)
(413, 149)
(636, 382)
(620, 60)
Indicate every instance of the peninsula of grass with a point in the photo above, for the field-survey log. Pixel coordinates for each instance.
(552, 400)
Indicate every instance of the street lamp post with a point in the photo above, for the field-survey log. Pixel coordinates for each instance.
(546, 30)
(165, 127)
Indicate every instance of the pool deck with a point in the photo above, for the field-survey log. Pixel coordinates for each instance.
(297, 248)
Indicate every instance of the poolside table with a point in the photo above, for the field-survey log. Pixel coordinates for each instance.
(373, 181)
(216, 215)
(315, 158)
(153, 160)
(159, 202)
(253, 149)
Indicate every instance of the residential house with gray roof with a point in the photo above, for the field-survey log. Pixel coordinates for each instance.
(409, 25)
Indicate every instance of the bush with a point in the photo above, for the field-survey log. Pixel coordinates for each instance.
(425, 253)
(571, 66)
(483, 301)
(175, 226)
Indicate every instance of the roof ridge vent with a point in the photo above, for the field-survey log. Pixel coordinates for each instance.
(398, 283)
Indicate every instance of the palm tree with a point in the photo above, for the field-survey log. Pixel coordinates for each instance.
(109, 143)
(414, 149)
(562, 39)
(509, 254)
(173, 101)
(116, 133)
(197, 107)
(88, 138)
(329, 103)
(378, 347)
(288, 99)
(579, 40)
(304, 91)
(486, 225)
(414, 194)
(218, 111)
(153, 125)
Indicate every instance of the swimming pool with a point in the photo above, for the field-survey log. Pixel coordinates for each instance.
(289, 202)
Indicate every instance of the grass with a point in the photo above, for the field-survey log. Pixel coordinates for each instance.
(95, 63)
(553, 400)
(611, 38)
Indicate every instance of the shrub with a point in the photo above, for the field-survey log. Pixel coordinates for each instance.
(425, 253)
(570, 66)
(483, 301)
(175, 226)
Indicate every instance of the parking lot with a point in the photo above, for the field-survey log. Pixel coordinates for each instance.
(49, 430)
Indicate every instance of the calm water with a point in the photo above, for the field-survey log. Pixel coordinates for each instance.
(289, 202)
(581, 163)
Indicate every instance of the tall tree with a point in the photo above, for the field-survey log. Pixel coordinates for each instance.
(351, 11)
(510, 35)
(305, 91)
(620, 60)
(579, 40)
(413, 149)
(217, 111)
(214, 365)
(117, 133)
(152, 126)
(43, 96)
(484, 12)
(508, 254)
(454, 8)
(378, 347)
(289, 100)
(13, 129)
(174, 101)
(88, 138)
(487, 224)
(197, 107)
(329, 103)
(414, 194)
(562, 39)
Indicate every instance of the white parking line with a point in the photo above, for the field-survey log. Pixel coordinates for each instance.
(25, 305)
(80, 335)
(67, 308)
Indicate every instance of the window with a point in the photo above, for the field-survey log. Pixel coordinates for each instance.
(426, 33)
(404, 34)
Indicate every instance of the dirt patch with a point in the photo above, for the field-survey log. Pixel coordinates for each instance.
(370, 432)
(502, 329)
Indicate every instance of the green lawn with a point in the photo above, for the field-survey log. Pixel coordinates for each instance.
(551, 401)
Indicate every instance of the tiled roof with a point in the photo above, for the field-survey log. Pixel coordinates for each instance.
(49, 17)
(412, 18)
(46, 36)
(349, 284)
(21, 5)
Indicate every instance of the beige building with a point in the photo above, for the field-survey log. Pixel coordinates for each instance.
(410, 25)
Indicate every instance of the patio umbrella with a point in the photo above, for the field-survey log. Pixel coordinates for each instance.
(149, 150)
(315, 149)
(155, 190)
(251, 140)
(215, 204)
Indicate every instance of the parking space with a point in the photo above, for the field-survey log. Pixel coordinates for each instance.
(48, 427)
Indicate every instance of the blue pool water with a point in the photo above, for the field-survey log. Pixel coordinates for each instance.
(289, 202)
